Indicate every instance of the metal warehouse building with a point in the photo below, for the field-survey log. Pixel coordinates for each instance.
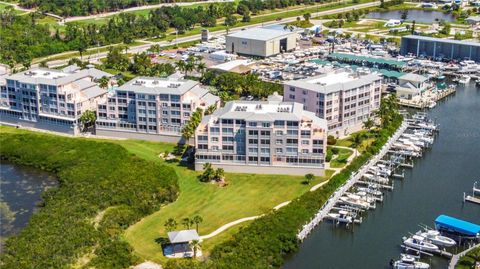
(261, 42)
(439, 47)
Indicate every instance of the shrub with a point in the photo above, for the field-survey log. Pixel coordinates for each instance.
(94, 176)
(331, 140)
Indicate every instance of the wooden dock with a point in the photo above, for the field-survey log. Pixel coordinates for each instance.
(472, 199)
(425, 102)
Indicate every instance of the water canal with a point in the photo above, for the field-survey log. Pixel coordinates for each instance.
(20, 191)
(420, 16)
(434, 186)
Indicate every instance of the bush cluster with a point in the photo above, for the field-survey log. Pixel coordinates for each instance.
(94, 177)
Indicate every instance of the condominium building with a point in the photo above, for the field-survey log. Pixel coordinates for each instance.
(152, 108)
(50, 99)
(269, 137)
(345, 99)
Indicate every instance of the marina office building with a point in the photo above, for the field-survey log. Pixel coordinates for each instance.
(151, 108)
(344, 98)
(439, 47)
(50, 99)
(266, 137)
(261, 42)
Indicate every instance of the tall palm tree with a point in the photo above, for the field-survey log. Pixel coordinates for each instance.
(181, 65)
(186, 222)
(195, 244)
(197, 220)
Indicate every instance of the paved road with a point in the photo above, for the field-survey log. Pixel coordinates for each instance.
(141, 48)
(107, 14)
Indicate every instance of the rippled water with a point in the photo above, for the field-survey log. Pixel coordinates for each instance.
(434, 186)
(20, 191)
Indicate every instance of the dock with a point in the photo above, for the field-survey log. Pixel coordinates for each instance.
(471, 199)
(354, 178)
(457, 257)
(426, 101)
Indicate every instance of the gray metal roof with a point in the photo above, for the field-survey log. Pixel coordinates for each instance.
(335, 87)
(65, 78)
(262, 34)
(413, 77)
(183, 236)
(443, 40)
(297, 113)
(185, 86)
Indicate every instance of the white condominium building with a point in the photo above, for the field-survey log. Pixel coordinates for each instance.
(152, 108)
(269, 137)
(50, 99)
(345, 99)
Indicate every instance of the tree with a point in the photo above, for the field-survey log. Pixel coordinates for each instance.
(87, 119)
(179, 24)
(230, 20)
(103, 82)
(170, 225)
(186, 222)
(356, 139)
(368, 124)
(309, 178)
(116, 59)
(307, 16)
(219, 174)
(195, 244)
(82, 47)
(413, 27)
(197, 220)
(208, 173)
(155, 49)
(331, 140)
(210, 109)
(404, 15)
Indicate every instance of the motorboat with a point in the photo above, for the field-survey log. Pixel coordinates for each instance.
(420, 243)
(369, 190)
(342, 216)
(409, 262)
(376, 178)
(436, 238)
(355, 202)
(464, 79)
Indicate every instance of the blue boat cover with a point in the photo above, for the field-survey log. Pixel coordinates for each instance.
(457, 225)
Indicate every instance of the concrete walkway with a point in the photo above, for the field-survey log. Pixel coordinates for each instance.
(233, 223)
(456, 258)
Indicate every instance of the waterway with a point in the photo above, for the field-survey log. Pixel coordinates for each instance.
(434, 186)
(421, 16)
(20, 192)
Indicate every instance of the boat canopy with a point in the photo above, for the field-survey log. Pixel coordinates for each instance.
(457, 225)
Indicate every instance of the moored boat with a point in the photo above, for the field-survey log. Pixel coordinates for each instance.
(436, 238)
(409, 262)
(420, 243)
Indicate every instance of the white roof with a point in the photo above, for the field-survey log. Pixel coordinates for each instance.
(231, 64)
(260, 34)
(183, 236)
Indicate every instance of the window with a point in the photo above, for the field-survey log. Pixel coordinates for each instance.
(252, 132)
(292, 141)
(253, 150)
(265, 141)
(318, 142)
(279, 124)
(279, 150)
(214, 139)
(253, 141)
(202, 138)
(265, 124)
(215, 148)
(227, 121)
(265, 150)
(305, 142)
(215, 130)
(279, 142)
(292, 89)
(227, 147)
(252, 124)
(304, 150)
(279, 132)
(265, 133)
(291, 96)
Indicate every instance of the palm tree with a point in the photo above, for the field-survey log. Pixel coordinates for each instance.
(356, 139)
(197, 220)
(181, 65)
(186, 222)
(87, 119)
(195, 244)
(219, 174)
(103, 82)
(170, 225)
(201, 68)
(368, 124)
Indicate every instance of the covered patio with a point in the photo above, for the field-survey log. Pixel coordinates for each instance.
(180, 244)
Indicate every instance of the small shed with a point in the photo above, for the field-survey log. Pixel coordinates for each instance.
(411, 80)
(180, 244)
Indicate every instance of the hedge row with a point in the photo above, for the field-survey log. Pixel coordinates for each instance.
(266, 241)
(93, 176)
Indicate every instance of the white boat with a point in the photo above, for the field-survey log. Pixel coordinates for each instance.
(376, 178)
(371, 191)
(436, 238)
(355, 203)
(342, 216)
(420, 243)
(464, 79)
(409, 262)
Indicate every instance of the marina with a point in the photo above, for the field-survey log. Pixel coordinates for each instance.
(412, 201)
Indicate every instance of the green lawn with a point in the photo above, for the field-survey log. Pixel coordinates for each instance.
(245, 195)
(341, 159)
(3, 6)
(366, 141)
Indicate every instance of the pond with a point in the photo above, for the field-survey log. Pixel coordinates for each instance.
(423, 16)
(20, 192)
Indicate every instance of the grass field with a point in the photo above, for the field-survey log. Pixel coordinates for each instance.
(3, 6)
(341, 159)
(245, 195)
